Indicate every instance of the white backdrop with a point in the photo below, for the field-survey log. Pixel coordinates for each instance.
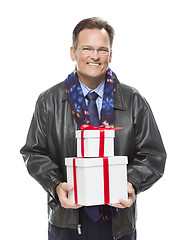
(149, 53)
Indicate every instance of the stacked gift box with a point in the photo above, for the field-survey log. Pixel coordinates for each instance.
(98, 177)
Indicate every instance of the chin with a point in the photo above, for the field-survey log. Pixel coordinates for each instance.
(95, 74)
(88, 74)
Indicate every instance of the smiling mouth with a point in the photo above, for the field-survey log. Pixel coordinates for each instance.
(94, 64)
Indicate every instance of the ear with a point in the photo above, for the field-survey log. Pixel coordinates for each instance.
(73, 54)
(110, 57)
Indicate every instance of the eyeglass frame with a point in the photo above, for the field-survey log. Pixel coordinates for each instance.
(107, 51)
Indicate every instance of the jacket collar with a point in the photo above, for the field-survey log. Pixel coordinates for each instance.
(119, 101)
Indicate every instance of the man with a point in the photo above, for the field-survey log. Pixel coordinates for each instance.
(63, 109)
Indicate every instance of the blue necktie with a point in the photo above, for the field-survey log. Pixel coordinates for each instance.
(92, 108)
(93, 211)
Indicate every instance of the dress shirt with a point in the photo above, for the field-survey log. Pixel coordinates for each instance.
(99, 90)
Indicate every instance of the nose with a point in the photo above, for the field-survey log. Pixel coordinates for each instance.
(95, 55)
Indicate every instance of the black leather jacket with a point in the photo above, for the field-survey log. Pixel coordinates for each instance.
(51, 138)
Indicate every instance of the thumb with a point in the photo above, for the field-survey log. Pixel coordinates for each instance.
(67, 187)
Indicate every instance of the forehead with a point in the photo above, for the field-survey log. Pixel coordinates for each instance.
(93, 37)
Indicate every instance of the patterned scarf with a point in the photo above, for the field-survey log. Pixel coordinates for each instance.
(77, 100)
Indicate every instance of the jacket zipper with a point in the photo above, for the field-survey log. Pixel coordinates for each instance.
(79, 228)
(78, 218)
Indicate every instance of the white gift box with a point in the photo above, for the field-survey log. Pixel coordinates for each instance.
(97, 180)
(95, 143)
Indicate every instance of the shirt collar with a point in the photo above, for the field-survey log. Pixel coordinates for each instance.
(99, 90)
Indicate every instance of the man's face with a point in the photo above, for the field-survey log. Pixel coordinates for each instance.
(94, 65)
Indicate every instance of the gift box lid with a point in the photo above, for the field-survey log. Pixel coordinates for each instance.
(95, 162)
(95, 133)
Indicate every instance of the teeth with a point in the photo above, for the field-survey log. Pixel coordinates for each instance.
(94, 64)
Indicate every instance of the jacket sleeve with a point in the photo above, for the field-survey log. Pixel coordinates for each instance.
(148, 162)
(36, 154)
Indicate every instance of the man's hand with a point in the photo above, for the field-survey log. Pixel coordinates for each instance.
(131, 198)
(62, 191)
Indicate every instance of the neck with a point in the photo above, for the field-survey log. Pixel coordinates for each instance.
(91, 82)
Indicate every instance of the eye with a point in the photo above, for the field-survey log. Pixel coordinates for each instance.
(103, 51)
(86, 49)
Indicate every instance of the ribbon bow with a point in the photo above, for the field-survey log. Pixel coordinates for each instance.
(101, 127)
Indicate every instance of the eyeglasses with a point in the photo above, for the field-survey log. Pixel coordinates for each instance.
(90, 51)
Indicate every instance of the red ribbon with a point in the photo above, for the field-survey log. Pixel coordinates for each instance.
(106, 180)
(82, 144)
(102, 129)
(101, 143)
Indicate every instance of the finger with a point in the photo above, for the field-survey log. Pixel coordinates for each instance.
(122, 204)
(68, 204)
(126, 203)
(116, 205)
(72, 205)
